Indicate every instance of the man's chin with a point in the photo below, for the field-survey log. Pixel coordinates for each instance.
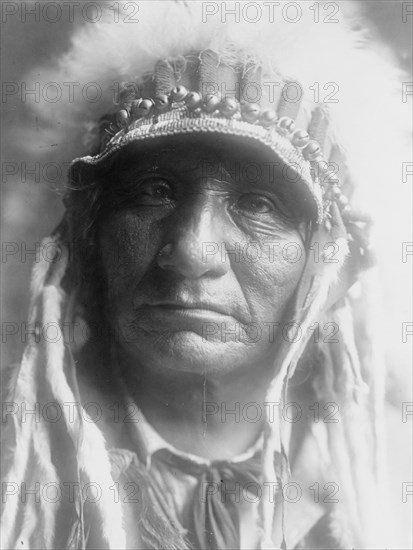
(189, 351)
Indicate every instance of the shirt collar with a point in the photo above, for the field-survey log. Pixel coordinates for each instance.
(153, 442)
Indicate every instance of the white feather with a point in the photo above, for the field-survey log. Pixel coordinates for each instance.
(369, 120)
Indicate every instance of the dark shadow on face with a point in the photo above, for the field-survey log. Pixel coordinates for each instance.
(202, 247)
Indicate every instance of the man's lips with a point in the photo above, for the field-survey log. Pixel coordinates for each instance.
(193, 309)
(193, 305)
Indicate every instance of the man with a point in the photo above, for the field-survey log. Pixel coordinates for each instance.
(208, 246)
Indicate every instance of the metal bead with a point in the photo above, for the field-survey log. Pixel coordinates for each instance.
(268, 118)
(312, 151)
(250, 111)
(286, 124)
(122, 118)
(145, 107)
(193, 100)
(162, 102)
(211, 103)
(179, 93)
(300, 138)
(228, 106)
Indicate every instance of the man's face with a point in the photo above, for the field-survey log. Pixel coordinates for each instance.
(201, 256)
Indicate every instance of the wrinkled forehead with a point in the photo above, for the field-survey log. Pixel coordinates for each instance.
(239, 164)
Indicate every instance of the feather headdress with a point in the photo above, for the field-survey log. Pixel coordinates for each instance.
(174, 51)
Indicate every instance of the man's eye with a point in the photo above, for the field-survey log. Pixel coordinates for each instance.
(155, 191)
(255, 204)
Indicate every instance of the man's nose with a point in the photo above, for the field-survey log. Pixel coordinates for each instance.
(195, 245)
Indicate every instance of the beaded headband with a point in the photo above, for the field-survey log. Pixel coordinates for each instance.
(197, 94)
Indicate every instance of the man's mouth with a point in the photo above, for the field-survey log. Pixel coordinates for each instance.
(194, 307)
(183, 311)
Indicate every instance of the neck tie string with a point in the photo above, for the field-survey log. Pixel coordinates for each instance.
(214, 512)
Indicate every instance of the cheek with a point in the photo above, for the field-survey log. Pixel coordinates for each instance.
(128, 247)
(269, 273)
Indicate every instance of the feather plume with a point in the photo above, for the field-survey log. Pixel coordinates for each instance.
(366, 109)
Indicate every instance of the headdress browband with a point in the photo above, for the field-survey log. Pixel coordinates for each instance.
(206, 89)
(203, 94)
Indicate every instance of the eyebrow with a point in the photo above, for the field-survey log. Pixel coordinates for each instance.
(266, 177)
